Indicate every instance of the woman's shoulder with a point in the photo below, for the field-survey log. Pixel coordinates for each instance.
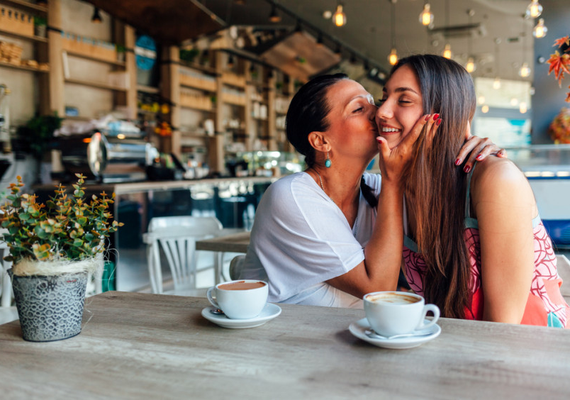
(498, 176)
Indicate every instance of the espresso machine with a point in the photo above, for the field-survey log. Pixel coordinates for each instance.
(106, 158)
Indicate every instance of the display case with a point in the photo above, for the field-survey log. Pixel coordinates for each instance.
(547, 168)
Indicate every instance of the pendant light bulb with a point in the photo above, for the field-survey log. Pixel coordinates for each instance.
(96, 18)
(481, 100)
(274, 16)
(514, 101)
(497, 83)
(470, 67)
(522, 107)
(447, 51)
(393, 57)
(540, 29)
(426, 17)
(339, 17)
(525, 70)
(534, 9)
(485, 109)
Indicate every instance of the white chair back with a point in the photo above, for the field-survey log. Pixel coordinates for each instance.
(177, 237)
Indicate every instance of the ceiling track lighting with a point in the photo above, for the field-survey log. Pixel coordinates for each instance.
(534, 9)
(447, 49)
(96, 18)
(524, 72)
(339, 17)
(497, 81)
(470, 66)
(274, 16)
(540, 29)
(426, 16)
(393, 56)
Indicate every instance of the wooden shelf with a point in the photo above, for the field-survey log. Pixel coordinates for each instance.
(25, 4)
(95, 85)
(202, 68)
(18, 35)
(91, 58)
(147, 89)
(23, 67)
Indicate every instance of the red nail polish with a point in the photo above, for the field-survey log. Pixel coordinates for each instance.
(467, 169)
(438, 122)
(458, 161)
(479, 157)
(435, 117)
(428, 117)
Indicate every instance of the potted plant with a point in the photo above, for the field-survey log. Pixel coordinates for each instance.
(40, 26)
(53, 248)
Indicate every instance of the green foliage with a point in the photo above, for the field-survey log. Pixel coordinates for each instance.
(39, 20)
(66, 227)
(188, 55)
(38, 132)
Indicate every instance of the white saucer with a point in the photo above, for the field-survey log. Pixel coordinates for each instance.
(358, 328)
(269, 312)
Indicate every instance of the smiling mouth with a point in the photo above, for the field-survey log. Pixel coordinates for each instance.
(387, 131)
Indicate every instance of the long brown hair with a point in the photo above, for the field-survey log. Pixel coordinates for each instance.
(437, 190)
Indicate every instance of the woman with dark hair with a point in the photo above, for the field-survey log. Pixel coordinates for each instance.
(475, 245)
(328, 235)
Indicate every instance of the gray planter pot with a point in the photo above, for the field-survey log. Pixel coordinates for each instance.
(49, 307)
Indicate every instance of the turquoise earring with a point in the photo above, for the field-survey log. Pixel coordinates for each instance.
(328, 161)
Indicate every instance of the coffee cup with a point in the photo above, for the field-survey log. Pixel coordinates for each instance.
(395, 313)
(241, 299)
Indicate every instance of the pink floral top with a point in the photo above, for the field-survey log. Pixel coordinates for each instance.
(545, 305)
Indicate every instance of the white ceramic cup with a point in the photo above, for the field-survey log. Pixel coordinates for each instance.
(395, 313)
(241, 299)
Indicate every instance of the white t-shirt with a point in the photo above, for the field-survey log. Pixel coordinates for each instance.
(301, 239)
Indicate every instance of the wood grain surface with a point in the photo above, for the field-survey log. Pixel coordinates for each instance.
(145, 346)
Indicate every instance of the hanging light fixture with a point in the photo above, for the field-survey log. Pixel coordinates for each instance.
(447, 49)
(534, 9)
(524, 72)
(485, 109)
(540, 29)
(274, 16)
(497, 81)
(96, 18)
(339, 17)
(481, 99)
(470, 66)
(426, 16)
(393, 57)
(514, 101)
(523, 107)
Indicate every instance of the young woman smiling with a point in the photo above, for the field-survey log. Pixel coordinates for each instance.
(328, 235)
(475, 245)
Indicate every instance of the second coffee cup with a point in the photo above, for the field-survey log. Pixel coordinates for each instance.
(395, 313)
(242, 299)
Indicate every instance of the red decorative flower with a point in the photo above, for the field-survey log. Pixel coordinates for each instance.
(560, 63)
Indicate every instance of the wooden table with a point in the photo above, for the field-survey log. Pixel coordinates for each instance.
(136, 346)
(232, 243)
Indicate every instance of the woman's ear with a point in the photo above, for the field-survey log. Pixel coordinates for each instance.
(468, 131)
(319, 142)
